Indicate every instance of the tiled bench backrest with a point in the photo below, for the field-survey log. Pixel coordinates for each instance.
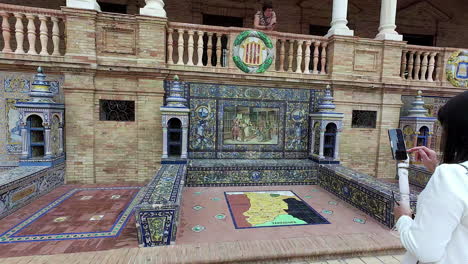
(157, 214)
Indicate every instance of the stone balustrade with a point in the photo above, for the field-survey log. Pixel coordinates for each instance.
(32, 31)
(301, 53)
(197, 45)
(420, 63)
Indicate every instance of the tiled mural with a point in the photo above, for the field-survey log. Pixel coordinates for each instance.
(14, 87)
(237, 122)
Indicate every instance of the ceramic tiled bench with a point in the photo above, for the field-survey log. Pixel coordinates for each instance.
(370, 195)
(21, 185)
(157, 214)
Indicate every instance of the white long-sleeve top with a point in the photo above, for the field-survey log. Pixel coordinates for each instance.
(439, 232)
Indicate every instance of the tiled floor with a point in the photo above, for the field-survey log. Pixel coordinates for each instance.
(201, 208)
(206, 230)
(68, 219)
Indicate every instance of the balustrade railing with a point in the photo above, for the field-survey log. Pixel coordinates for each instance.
(197, 45)
(420, 63)
(297, 53)
(32, 31)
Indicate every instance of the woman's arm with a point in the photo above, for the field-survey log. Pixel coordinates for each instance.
(439, 213)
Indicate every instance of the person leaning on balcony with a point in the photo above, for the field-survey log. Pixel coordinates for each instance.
(439, 232)
(265, 19)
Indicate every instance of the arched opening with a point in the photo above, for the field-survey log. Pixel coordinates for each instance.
(423, 135)
(174, 144)
(36, 136)
(330, 140)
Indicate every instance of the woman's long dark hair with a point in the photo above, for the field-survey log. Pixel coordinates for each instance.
(454, 119)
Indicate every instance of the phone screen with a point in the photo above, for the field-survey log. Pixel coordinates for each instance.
(397, 143)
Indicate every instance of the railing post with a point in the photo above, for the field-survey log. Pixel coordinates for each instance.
(218, 50)
(6, 32)
(200, 48)
(209, 49)
(424, 66)
(403, 64)
(417, 65)
(299, 57)
(180, 44)
(190, 48)
(44, 35)
(281, 66)
(170, 47)
(19, 33)
(410, 65)
(431, 66)
(290, 55)
(323, 69)
(316, 57)
(31, 34)
(55, 36)
(307, 57)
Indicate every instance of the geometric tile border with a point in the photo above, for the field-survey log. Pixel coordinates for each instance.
(9, 235)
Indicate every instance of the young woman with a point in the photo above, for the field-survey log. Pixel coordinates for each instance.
(265, 19)
(439, 232)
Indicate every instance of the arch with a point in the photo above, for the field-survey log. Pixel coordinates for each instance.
(330, 140)
(36, 139)
(174, 136)
(423, 136)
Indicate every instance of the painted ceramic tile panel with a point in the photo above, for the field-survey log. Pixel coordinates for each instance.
(250, 125)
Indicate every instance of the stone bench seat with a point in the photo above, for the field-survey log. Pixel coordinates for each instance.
(21, 185)
(370, 195)
(157, 213)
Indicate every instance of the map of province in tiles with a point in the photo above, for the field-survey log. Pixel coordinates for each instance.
(270, 209)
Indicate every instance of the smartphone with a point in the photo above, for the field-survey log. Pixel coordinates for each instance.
(397, 143)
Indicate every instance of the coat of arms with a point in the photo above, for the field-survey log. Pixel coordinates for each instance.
(457, 69)
(253, 52)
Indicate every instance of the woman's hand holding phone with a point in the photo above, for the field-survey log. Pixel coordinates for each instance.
(427, 156)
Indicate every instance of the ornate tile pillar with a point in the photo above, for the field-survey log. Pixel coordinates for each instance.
(41, 107)
(326, 118)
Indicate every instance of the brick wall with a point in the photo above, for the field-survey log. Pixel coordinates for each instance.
(367, 150)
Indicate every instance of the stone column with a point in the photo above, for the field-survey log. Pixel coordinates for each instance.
(336, 155)
(339, 22)
(322, 143)
(184, 142)
(47, 142)
(165, 146)
(154, 8)
(24, 142)
(387, 21)
(84, 4)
